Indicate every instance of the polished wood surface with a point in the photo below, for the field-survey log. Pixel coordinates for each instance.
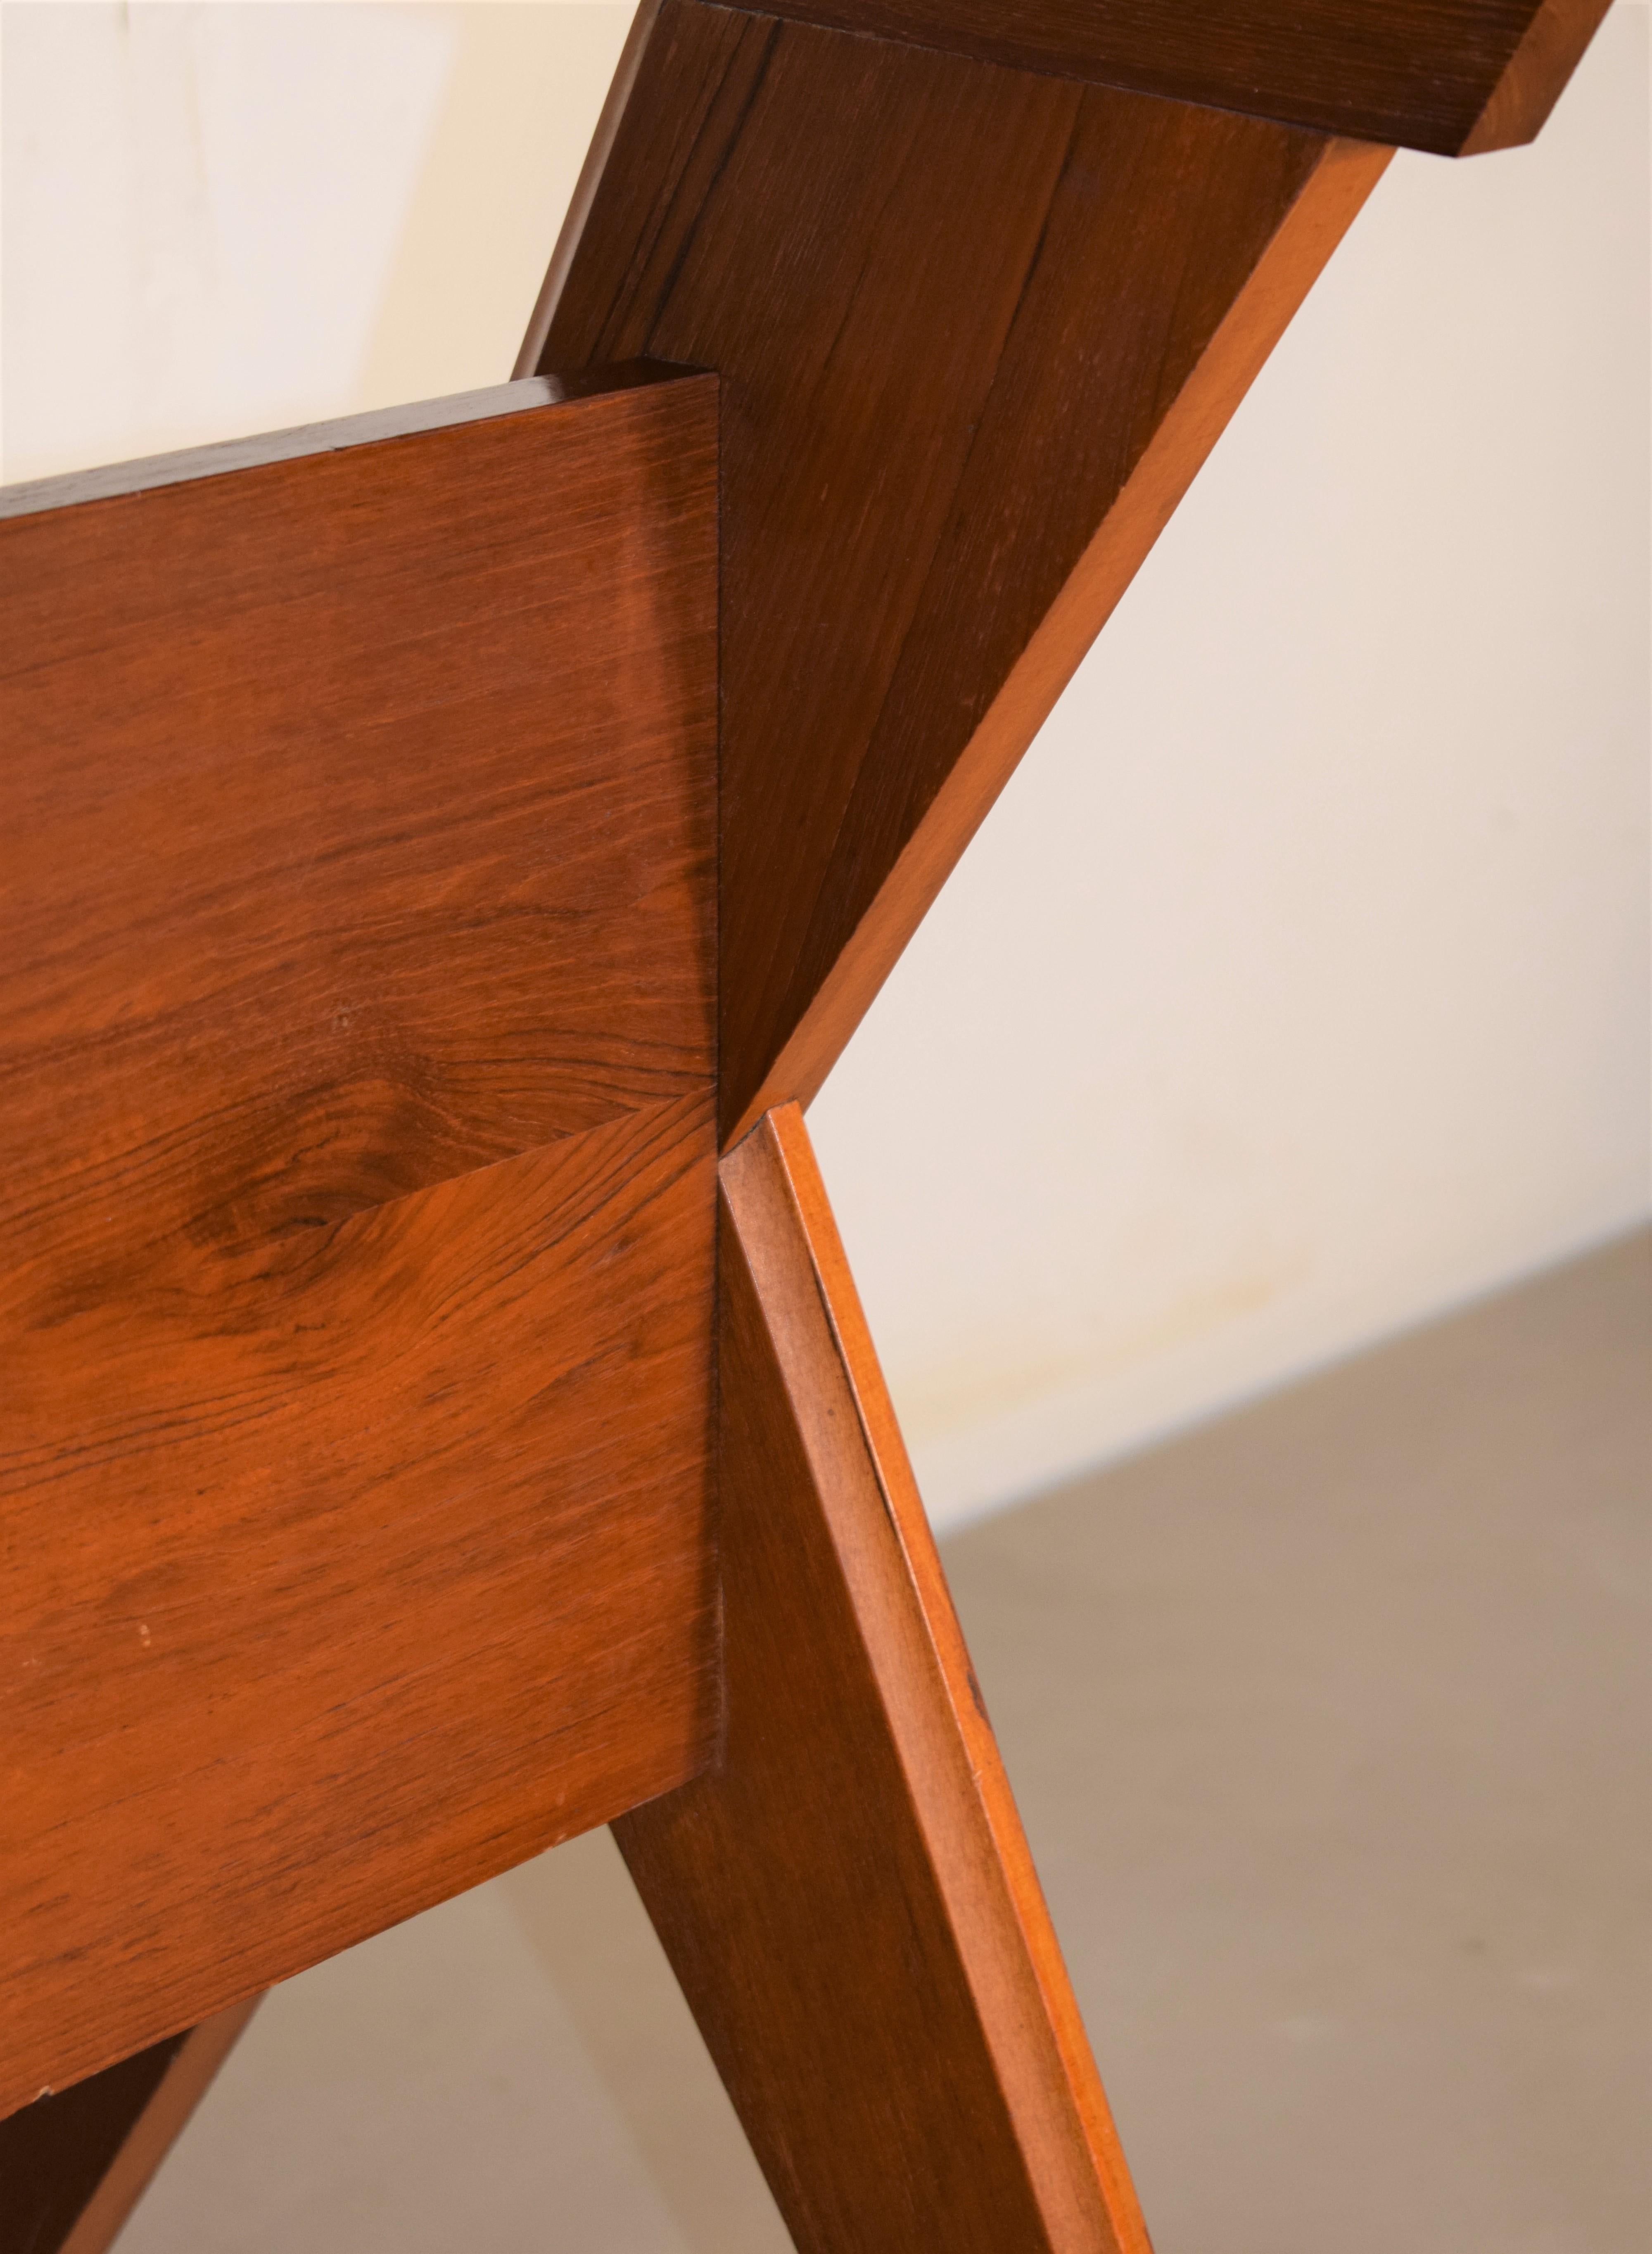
(848, 1900)
(358, 1194)
(976, 329)
(369, 1034)
(1475, 74)
(74, 2164)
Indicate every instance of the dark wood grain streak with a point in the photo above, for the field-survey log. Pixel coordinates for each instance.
(74, 2164)
(848, 1900)
(356, 1195)
(976, 329)
(1452, 76)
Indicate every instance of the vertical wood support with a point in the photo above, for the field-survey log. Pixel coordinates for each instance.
(848, 1899)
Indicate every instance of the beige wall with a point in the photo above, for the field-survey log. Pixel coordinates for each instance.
(222, 218)
(1298, 986)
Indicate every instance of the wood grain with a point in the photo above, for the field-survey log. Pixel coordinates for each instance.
(1453, 77)
(848, 1900)
(356, 1195)
(975, 329)
(74, 2165)
(1551, 48)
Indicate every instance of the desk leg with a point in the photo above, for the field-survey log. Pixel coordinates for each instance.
(74, 2164)
(848, 1900)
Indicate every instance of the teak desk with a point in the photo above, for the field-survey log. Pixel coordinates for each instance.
(442, 850)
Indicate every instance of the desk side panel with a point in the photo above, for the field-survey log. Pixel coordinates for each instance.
(356, 1195)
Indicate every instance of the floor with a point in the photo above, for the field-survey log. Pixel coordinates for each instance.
(1329, 1723)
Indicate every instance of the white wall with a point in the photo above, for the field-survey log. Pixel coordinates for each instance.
(228, 218)
(1298, 988)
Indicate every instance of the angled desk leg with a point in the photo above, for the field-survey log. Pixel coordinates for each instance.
(74, 2164)
(848, 1900)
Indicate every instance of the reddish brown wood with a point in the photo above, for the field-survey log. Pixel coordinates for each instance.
(848, 1900)
(356, 1190)
(1550, 49)
(975, 329)
(74, 2164)
(1473, 75)
(356, 1172)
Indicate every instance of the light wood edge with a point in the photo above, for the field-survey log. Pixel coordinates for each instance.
(158, 2129)
(584, 194)
(778, 1203)
(1538, 72)
(1330, 201)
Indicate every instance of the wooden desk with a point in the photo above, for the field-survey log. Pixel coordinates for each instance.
(431, 841)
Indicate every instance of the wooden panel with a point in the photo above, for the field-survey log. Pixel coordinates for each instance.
(975, 329)
(1448, 75)
(357, 1177)
(74, 2165)
(848, 1900)
(347, 841)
